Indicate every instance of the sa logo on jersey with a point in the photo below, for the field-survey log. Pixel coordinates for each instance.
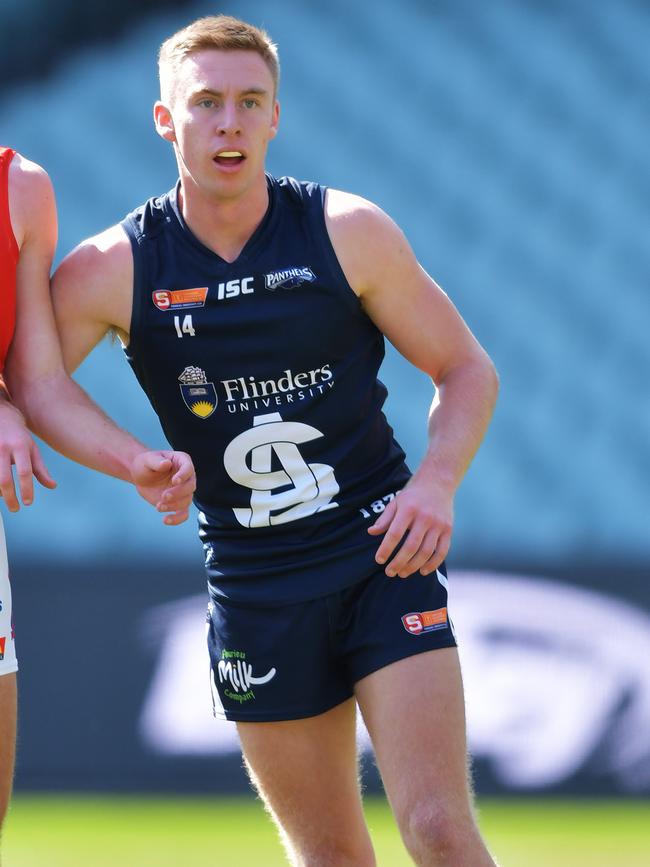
(199, 395)
(179, 299)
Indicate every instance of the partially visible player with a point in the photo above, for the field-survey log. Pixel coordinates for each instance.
(52, 403)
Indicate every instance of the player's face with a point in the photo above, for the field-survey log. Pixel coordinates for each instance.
(221, 115)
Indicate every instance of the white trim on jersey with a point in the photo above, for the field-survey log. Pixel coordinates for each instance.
(8, 663)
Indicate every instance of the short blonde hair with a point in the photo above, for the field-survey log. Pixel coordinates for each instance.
(223, 33)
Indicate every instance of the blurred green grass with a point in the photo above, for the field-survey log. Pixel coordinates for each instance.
(63, 831)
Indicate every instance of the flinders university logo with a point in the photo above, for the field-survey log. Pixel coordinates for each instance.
(200, 396)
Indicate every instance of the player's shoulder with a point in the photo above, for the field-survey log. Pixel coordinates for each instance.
(101, 260)
(342, 203)
(28, 178)
(23, 167)
(360, 228)
(355, 214)
(31, 204)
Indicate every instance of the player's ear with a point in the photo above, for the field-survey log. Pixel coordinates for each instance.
(163, 120)
(275, 120)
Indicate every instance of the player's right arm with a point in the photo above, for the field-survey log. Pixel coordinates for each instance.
(92, 293)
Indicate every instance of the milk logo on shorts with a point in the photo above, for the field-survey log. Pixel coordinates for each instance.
(420, 622)
(179, 299)
(288, 278)
(199, 395)
(278, 496)
(237, 674)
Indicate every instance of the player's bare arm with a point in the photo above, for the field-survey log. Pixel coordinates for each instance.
(53, 405)
(18, 449)
(91, 294)
(31, 202)
(422, 323)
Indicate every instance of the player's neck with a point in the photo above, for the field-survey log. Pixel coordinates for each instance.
(224, 224)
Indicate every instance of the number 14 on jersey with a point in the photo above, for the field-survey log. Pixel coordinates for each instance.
(187, 327)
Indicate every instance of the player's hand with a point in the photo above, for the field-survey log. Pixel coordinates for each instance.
(167, 480)
(17, 448)
(421, 518)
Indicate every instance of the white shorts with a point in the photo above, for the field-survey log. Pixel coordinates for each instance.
(8, 661)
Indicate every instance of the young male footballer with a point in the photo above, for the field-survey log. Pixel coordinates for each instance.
(253, 311)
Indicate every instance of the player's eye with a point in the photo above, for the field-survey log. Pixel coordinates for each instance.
(207, 102)
(249, 102)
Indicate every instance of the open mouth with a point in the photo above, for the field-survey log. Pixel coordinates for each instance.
(229, 158)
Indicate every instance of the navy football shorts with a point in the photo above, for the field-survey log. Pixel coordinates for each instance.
(299, 660)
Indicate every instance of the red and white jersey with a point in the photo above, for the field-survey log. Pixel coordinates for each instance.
(8, 260)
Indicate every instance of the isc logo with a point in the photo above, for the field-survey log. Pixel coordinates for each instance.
(233, 288)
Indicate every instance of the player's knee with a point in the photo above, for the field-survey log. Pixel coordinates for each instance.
(434, 834)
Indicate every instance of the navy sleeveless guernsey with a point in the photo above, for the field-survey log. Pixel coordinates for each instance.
(265, 371)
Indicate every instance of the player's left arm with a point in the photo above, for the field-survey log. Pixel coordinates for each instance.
(421, 322)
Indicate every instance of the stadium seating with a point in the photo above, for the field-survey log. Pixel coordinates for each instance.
(40, 38)
(509, 140)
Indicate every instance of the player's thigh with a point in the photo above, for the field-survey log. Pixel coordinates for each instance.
(8, 703)
(307, 773)
(415, 714)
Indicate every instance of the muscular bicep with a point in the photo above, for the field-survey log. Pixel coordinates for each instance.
(79, 326)
(91, 294)
(405, 303)
(419, 319)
